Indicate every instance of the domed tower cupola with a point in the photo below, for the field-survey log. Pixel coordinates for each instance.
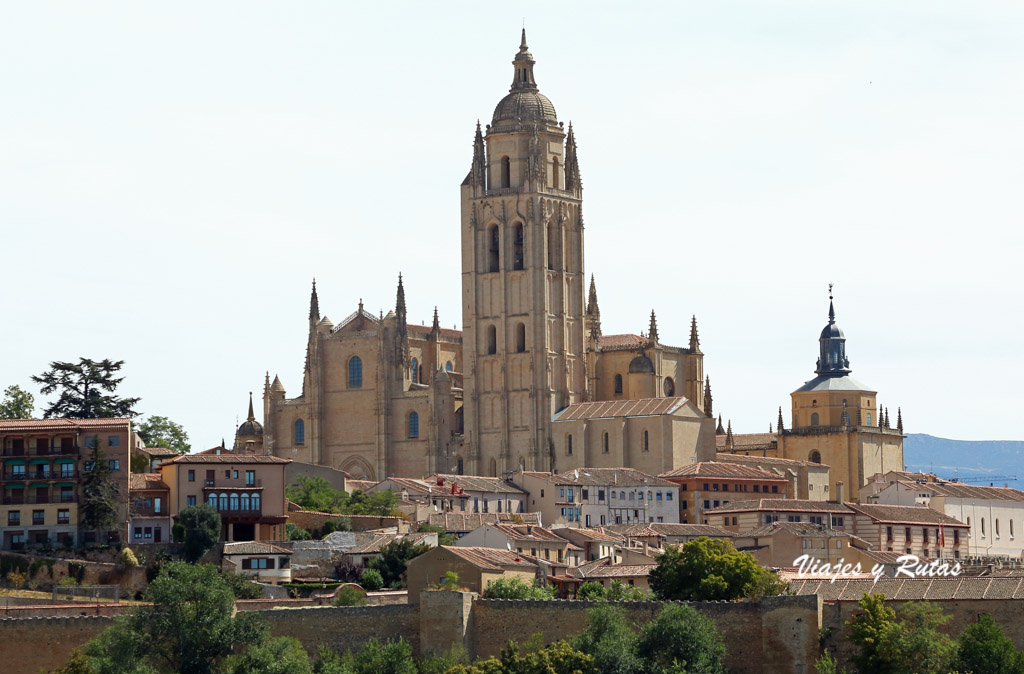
(524, 102)
(832, 360)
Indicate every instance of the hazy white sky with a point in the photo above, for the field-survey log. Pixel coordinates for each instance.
(172, 177)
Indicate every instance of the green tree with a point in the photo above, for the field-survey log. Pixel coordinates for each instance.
(510, 587)
(315, 493)
(590, 591)
(868, 630)
(340, 524)
(390, 657)
(915, 645)
(284, 655)
(393, 557)
(85, 390)
(619, 591)
(708, 569)
(610, 641)
(17, 403)
(99, 494)
(984, 649)
(157, 431)
(139, 462)
(241, 586)
(189, 628)
(199, 530)
(297, 533)
(443, 537)
(381, 503)
(532, 658)
(681, 640)
(350, 595)
(826, 664)
(78, 664)
(372, 580)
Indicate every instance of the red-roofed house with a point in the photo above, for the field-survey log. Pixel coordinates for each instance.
(709, 484)
(476, 568)
(150, 509)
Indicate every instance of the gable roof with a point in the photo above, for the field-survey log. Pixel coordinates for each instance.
(801, 529)
(766, 460)
(671, 530)
(721, 469)
(469, 521)
(905, 514)
(747, 441)
(602, 477)
(254, 548)
(960, 490)
(29, 425)
(781, 505)
(606, 409)
(225, 458)
(492, 485)
(489, 559)
(143, 481)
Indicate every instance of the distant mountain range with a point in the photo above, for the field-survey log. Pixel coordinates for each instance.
(970, 459)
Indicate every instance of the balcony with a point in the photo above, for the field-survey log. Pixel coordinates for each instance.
(41, 451)
(232, 483)
(39, 475)
(34, 499)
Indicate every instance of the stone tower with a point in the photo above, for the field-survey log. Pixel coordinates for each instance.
(522, 280)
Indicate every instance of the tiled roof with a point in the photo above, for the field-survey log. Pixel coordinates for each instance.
(605, 409)
(220, 449)
(765, 460)
(586, 534)
(422, 331)
(914, 588)
(360, 485)
(885, 557)
(747, 441)
(803, 529)
(620, 342)
(720, 469)
(526, 532)
(781, 505)
(157, 452)
(254, 548)
(29, 425)
(603, 477)
(602, 568)
(489, 558)
(469, 521)
(491, 485)
(959, 490)
(908, 514)
(226, 458)
(142, 481)
(672, 530)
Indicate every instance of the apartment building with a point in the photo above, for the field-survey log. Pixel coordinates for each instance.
(44, 463)
(709, 484)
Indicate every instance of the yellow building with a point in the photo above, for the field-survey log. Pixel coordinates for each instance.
(834, 422)
(381, 397)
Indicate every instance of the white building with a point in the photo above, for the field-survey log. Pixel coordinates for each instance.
(264, 562)
(594, 497)
(525, 539)
(995, 515)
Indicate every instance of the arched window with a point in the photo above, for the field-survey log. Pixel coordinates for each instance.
(670, 387)
(568, 445)
(233, 501)
(243, 503)
(494, 468)
(869, 418)
(552, 245)
(415, 371)
(300, 431)
(815, 456)
(618, 384)
(414, 425)
(647, 443)
(815, 420)
(459, 468)
(622, 496)
(211, 500)
(522, 463)
(460, 421)
(255, 501)
(519, 239)
(355, 372)
(492, 339)
(223, 502)
(554, 174)
(493, 250)
(448, 366)
(506, 172)
(520, 337)
(605, 443)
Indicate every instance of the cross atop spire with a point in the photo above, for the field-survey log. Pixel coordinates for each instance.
(694, 337)
(831, 309)
(400, 298)
(653, 331)
(437, 324)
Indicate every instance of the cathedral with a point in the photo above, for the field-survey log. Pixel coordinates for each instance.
(530, 381)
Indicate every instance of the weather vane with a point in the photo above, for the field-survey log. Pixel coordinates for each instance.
(830, 290)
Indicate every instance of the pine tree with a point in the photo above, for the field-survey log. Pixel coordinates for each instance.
(99, 495)
(85, 390)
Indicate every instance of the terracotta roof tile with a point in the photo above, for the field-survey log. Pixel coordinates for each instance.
(422, 331)
(602, 477)
(781, 505)
(605, 409)
(958, 490)
(621, 342)
(765, 460)
(144, 481)
(804, 529)
(747, 441)
(672, 530)
(30, 425)
(469, 521)
(226, 458)
(721, 469)
(489, 558)
(908, 514)
(526, 532)
(254, 548)
(620, 571)
(491, 485)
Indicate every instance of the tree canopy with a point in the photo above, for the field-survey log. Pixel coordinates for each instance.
(908, 644)
(392, 560)
(709, 569)
(315, 493)
(85, 390)
(99, 495)
(983, 648)
(157, 431)
(17, 403)
(515, 588)
(198, 527)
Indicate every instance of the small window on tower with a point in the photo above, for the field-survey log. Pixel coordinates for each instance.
(618, 384)
(506, 172)
(492, 339)
(493, 250)
(520, 338)
(517, 248)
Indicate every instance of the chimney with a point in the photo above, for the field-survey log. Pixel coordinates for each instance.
(840, 492)
(645, 547)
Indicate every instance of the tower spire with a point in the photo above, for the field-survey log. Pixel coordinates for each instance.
(572, 165)
(523, 63)
(592, 307)
(832, 360)
(400, 299)
(721, 429)
(436, 325)
(729, 440)
(694, 337)
(779, 424)
(707, 397)
(899, 420)
(652, 334)
(314, 304)
(252, 417)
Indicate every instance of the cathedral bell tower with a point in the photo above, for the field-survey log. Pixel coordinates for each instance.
(522, 280)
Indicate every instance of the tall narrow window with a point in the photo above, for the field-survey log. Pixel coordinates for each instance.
(815, 420)
(448, 366)
(492, 339)
(494, 468)
(493, 250)
(553, 246)
(618, 384)
(355, 372)
(520, 337)
(815, 456)
(460, 421)
(517, 247)
(506, 172)
(300, 431)
(647, 443)
(415, 371)
(554, 174)
(414, 425)
(869, 418)
(605, 443)
(568, 445)
(460, 467)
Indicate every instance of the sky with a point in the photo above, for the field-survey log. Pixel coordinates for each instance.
(172, 177)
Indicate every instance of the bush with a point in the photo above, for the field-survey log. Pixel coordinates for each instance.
(16, 579)
(372, 580)
(590, 591)
(826, 664)
(450, 582)
(201, 530)
(515, 588)
(350, 595)
(681, 635)
(128, 558)
(340, 524)
(984, 649)
(708, 569)
(297, 533)
(241, 586)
